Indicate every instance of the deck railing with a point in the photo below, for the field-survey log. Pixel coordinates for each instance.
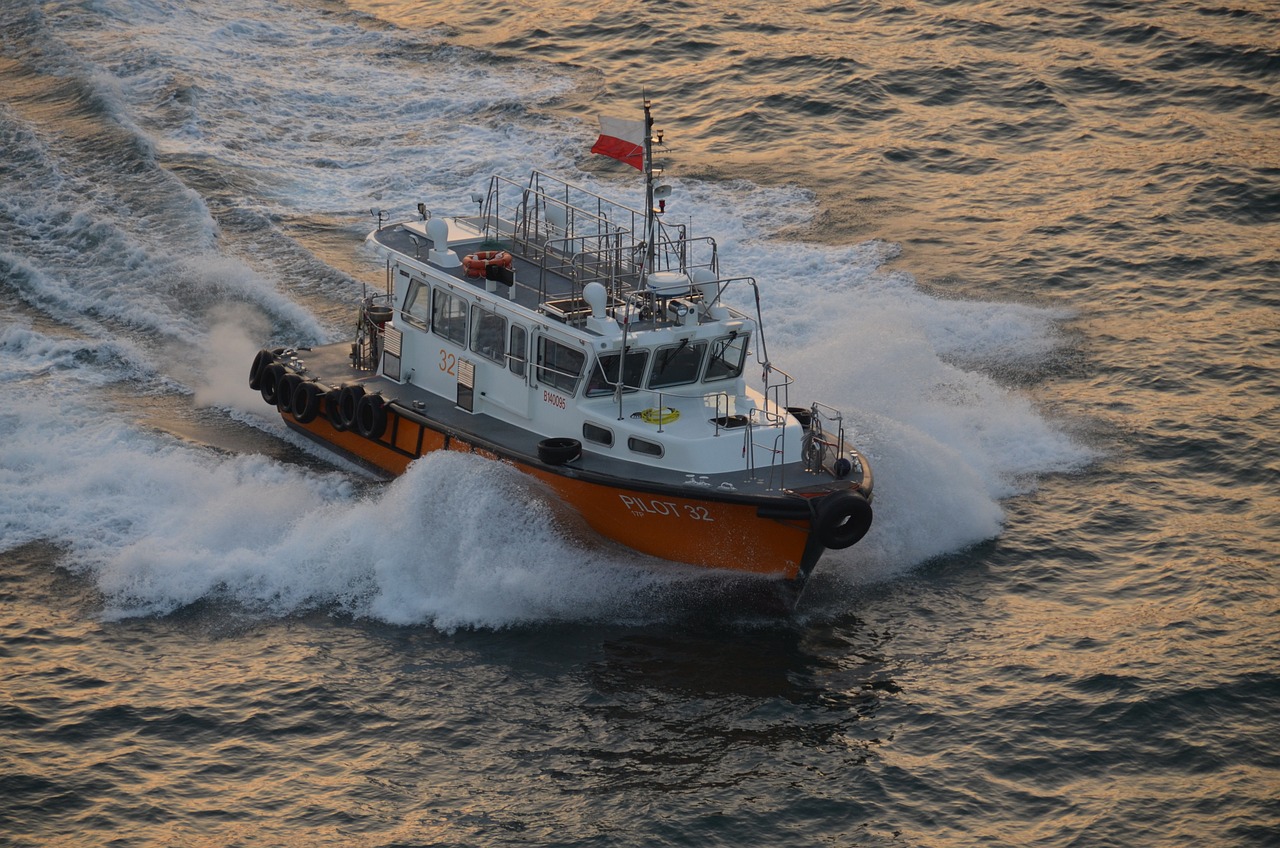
(575, 234)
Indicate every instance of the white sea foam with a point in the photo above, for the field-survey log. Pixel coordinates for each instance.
(323, 112)
(160, 524)
(946, 440)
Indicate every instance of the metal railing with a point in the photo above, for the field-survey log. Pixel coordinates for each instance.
(818, 441)
(375, 310)
(580, 236)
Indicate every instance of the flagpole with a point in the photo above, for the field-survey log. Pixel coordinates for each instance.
(651, 220)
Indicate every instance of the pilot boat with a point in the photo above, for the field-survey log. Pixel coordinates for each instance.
(598, 349)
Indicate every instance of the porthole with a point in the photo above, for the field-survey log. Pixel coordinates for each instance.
(644, 446)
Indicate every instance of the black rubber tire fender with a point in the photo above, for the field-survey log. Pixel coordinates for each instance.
(842, 519)
(284, 392)
(371, 417)
(306, 402)
(333, 409)
(269, 381)
(348, 403)
(559, 450)
(261, 361)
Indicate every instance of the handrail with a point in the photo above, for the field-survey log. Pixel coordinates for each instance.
(662, 395)
(831, 413)
(540, 367)
(779, 392)
(588, 230)
(772, 416)
(610, 264)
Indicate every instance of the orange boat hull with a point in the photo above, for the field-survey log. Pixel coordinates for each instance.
(704, 531)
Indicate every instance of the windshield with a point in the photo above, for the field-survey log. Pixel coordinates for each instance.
(728, 355)
(604, 376)
(677, 365)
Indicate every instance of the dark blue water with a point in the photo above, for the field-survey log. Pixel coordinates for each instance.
(1034, 251)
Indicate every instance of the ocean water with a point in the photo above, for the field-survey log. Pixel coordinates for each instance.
(1032, 250)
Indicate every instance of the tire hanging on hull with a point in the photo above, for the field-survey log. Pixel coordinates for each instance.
(558, 451)
(269, 382)
(260, 362)
(306, 402)
(285, 388)
(333, 410)
(348, 403)
(371, 417)
(842, 519)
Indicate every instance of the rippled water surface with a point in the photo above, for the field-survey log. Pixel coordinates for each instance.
(1032, 250)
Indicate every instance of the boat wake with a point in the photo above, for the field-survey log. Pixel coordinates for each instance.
(159, 524)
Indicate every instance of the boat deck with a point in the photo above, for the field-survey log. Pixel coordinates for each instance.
(536, 282)
(543, 279)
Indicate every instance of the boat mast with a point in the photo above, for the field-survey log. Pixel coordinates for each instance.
(650, 251)
(650, 217)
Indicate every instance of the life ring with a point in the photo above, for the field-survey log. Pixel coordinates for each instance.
(333, 409)
(261, 361)
(665, 415)
(269, 382)
(306, 402)
(558, 451)
(371, 417)
(284, 392)
(476, 264)
(348, 403)
(841, 519)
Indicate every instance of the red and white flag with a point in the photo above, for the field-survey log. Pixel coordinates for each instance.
(622, 140)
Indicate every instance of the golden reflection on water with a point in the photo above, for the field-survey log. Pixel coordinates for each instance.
(878, 176)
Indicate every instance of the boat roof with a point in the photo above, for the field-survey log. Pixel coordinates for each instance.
(558, 239)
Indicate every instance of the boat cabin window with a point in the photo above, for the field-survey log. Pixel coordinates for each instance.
(728, 355)
(644, 446)
(488, 334)
(604, 375)
(449, 316)
(416, 309)
(559, 366)
(677, 365)
(518, 353)
(596, 433)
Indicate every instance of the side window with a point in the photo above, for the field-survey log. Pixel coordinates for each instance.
(604, 374)
(488, 334)
(728, 355)
(559, 366)
(416, 307)
(449, 316)
(596, 433)
(519, 351)
(677, 365)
